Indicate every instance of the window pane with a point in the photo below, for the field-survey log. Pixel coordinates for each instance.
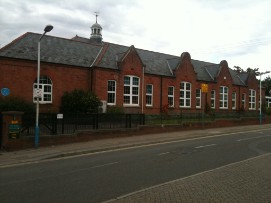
(170, 90)
(126, 89)
(182, 86)
(135, 90)
(111, 86)
(126, 100)
(135, 100)
(127, 80)
(188, 86)
(135, 81)
(149, 89)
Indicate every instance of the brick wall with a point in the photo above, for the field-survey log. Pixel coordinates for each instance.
(19, 76)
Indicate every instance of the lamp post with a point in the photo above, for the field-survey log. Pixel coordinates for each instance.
(261, 94)
(48, 28)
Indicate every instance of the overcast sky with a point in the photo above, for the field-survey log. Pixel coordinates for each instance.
(238, 31)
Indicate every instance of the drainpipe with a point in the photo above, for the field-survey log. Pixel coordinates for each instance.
(161, 93)
(142, 92)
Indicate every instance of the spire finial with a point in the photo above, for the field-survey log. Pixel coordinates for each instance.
(96, 14)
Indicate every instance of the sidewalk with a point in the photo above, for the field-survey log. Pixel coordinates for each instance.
(42, 153)
(246, 181)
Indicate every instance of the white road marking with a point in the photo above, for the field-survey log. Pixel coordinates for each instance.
(108, 164)
(164, 153)
(203, 146)
(251, 138)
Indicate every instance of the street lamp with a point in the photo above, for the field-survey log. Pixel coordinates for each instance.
(48, 28)
(266, 72)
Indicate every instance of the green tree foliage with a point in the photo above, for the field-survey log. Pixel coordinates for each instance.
(238, 69)
(248, 70)
(255, 71)
(79, 101)
(267, 84)
(16, 104)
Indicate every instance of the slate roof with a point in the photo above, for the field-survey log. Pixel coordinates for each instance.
(83, 52)
(53, 50)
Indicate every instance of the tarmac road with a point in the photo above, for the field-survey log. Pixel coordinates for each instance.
(103, 176)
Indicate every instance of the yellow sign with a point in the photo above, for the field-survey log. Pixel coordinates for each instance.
(204, 88)
(14, 122)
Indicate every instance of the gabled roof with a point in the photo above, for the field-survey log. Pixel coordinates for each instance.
(83, 52)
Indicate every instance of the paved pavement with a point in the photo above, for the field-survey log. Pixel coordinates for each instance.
(246, 181)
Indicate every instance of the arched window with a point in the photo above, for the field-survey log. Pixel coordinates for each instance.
(45, 90)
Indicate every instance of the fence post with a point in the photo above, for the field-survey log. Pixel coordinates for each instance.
(54, 123)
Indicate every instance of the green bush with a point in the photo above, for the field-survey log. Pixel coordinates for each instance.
(115, 109)
(79, 101)
(16, 104)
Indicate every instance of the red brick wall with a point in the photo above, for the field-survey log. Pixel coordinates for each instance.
(19, 76)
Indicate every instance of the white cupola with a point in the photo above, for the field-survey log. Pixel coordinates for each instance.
(96, 31)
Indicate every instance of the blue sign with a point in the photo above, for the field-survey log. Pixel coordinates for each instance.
(5, 91)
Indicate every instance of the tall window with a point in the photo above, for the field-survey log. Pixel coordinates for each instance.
(170, 96)
(223, 97)
(244, 100)
(213, 99)
(198, 98)
(45, 89)
(131, 90)
(252, 99)
(149, 90)
(185, 94)
(233, 100)
(111, 92)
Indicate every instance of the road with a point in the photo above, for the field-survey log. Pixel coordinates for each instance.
(102, 176)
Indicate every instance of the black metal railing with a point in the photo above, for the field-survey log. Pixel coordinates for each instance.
(49, 124)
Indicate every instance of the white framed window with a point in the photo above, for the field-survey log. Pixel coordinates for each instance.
(233, 100)
(244, 100)
(131, 90)
(252, 99)
(268, 101)
(170, 97)
(223, 97)
(213, 99)
(149, 92)
(111, 92)
(46, 88)
(198, 98)
(185, 94)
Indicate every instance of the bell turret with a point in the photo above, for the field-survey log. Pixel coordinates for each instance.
(96, 31)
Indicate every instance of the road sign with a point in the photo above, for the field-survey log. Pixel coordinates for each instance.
(37, 93)
(204, 88)
(5, 91)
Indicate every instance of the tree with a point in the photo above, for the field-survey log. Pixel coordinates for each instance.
(238, 69)
(267, 84)
(79, 101)
(255, 71)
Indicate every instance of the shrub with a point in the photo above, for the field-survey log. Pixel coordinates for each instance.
(16, 104)
(115, 109)
(79, 101)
